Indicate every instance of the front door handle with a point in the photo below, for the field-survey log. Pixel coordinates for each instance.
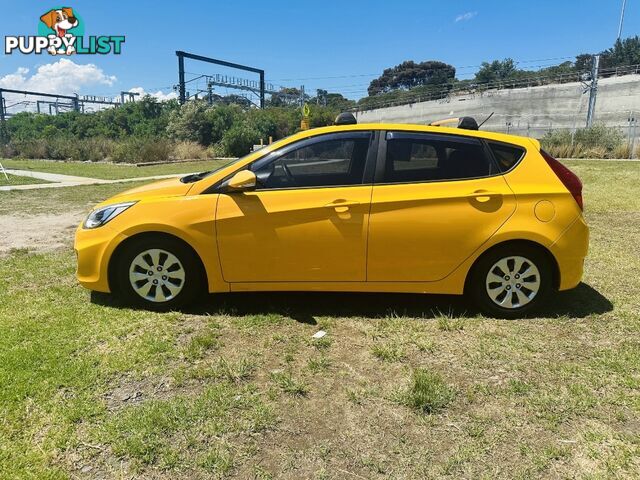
(483, 195)
(341, 206)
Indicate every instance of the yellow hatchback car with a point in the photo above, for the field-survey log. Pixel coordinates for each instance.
(359, 208)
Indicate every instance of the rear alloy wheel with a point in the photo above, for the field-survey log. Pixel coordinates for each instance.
(160, 275)
(510, 283)
(513, 282)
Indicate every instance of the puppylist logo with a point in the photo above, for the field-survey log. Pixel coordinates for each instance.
(61, 32)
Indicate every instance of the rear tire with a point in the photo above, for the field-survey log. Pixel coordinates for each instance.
(511, 281)
(158, 274)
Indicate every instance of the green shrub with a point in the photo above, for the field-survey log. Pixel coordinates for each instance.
(35, 148)
(94, 149)
(142, 150)
(238, 140)
(428, 392)
(61, 148)
(598, 141)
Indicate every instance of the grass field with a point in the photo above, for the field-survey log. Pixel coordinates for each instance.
(19, 180)
(111, 171)
(402, 386)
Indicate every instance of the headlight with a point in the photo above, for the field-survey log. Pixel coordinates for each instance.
(99, 217)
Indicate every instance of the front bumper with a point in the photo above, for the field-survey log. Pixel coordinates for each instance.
(93, 250)
(570, 250)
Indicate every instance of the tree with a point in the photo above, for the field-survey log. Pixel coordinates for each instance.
(623, 52)
(583, 62)
(334, 101)
(410, 74)
(496, 71)
(287, 96)
(238, 140)
(191, 123)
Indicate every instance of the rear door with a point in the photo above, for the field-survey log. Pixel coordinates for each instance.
(435, 200)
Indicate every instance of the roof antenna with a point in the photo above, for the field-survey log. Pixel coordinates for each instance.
(485, 120)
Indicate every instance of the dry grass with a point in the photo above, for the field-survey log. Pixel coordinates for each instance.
(190, 151)
(239, 389)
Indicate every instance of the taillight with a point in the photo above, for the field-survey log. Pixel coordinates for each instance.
(566, 176)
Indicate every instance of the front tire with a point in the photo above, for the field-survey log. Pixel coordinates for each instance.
(511, 281)
(158, 274)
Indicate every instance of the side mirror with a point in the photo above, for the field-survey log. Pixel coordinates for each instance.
(243, 180)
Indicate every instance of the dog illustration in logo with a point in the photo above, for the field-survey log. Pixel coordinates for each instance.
(60, 21)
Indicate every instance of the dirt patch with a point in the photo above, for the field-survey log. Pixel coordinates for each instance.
(39, 233)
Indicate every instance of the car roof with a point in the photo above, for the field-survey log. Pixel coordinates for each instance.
(526, 142)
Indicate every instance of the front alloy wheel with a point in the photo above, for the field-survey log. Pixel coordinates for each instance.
(160, 273)
(156, 275)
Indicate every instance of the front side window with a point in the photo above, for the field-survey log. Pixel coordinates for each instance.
(423, 158)
(329, 162)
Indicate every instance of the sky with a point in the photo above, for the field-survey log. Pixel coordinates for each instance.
(336, 45)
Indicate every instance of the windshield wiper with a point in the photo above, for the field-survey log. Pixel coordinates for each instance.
(194, 177)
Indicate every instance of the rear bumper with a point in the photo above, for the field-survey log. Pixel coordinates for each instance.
(570, 250)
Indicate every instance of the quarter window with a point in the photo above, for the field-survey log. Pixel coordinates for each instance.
(326, 163)
(506, 155)
(422, 158)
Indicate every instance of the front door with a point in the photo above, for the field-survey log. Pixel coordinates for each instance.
(436, 199)
(306, 221)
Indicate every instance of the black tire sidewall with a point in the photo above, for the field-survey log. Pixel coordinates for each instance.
(477, 285)
(193, 285)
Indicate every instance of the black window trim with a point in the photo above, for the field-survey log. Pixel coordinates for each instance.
(386, 135)
(367, 176)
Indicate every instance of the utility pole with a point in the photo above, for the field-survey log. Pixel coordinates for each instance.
(4, 137)
(593, 90)
(633, 122)
(209, 92)
(1, 107)
(182, 95)
(624, 6)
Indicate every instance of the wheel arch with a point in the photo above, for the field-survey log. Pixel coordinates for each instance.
(555, 268)
(122, 246)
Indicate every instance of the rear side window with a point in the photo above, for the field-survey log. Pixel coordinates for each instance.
(422, 158)
(506, 155)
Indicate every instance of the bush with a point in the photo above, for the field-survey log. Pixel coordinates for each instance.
(193, 122)
(94, 149)
(190, 151)
(61, 148)
(142, 150)
(598, 141)
(238, 140)
(622, 151)
(36, 148)
(428, 392)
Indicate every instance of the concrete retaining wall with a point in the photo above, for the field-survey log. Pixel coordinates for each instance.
(531, 111)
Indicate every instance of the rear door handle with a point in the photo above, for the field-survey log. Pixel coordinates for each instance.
(341, 206)
(483, 195)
